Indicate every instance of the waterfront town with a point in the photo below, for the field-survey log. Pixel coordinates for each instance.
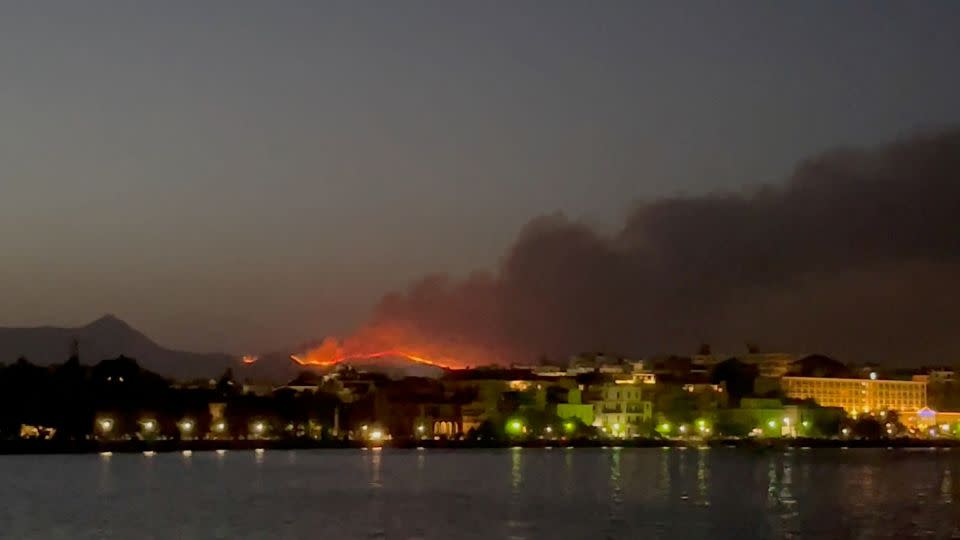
(595, 398)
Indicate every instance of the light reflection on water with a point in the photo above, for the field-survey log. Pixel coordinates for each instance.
(510, 493)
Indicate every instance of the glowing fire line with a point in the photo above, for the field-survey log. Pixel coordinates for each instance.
(370, 356)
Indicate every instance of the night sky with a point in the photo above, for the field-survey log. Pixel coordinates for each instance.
(244, 176)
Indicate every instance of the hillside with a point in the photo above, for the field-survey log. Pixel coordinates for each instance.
(107, 337)
(110, 337)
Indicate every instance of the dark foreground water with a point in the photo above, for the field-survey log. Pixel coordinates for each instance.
(520, 494)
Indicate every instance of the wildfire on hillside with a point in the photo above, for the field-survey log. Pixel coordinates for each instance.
(389, 342)
(310, 359)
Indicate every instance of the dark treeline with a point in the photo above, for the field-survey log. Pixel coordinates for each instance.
(71, 400)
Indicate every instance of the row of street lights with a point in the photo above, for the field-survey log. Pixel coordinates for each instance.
(187, 426)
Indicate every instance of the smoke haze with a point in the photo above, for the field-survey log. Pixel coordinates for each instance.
(856, 256)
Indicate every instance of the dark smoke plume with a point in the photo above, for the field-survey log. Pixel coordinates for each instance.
(857, 255)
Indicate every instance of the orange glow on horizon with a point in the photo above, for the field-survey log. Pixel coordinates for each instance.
(397, 340)
(249, 359)
(310, 359)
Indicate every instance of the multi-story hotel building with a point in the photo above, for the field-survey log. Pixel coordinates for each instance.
(858, 395)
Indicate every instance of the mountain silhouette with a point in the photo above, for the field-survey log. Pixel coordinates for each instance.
(107, 337)
(110, 337)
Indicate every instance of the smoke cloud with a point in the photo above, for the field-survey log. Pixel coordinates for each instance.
(856, 255)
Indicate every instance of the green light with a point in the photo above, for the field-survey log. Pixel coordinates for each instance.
(569, 426)
(665, 427)
(772, 423)
(515, 427)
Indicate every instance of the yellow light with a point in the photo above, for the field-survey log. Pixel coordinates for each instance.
(683, 429)
(106, 424)
(106, 454)
(786, 421)
(772, 423)
(616, 427)
(149, 425)
(549, 429)
(149, 453)
(258, 427)
(219, 427)
(258, 450)
(186, 425)
(376, 435)
(363, 427)
(187, 453)
(421, 428)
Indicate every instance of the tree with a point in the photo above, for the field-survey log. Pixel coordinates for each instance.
(227, 385)
(738, 378)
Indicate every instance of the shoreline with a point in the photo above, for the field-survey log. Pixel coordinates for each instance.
(38, 447)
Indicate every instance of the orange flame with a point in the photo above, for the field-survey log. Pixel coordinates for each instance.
(389, 341)
(311, 359)
(250, 359)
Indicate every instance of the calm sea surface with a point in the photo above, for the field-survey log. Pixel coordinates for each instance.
(512, 493)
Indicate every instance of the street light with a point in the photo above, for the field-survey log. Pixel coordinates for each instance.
(149, 426)
(105, 425)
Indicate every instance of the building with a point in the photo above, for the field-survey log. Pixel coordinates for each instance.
(771, 365)
(575, 408)
(858, 395)
(620, 408)
(763, 417)
(941, 422)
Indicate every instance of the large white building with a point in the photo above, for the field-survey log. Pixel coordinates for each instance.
(859, 395)
(619, 408)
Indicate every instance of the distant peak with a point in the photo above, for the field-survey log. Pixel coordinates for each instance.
(108, 321)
